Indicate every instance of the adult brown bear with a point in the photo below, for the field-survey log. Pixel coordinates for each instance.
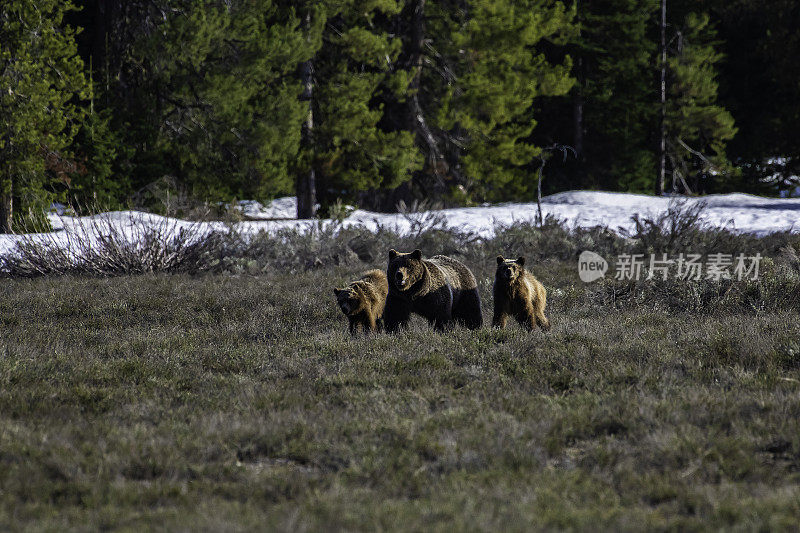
(441, 289)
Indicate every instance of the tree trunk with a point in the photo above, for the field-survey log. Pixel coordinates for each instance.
(306, 187)
(102, 13)
(577, 101)
(415, 51)
(662, 149)
(577, 114)
(415, 116)
(7, 206)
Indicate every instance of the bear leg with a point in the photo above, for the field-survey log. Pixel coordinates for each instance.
(500, 315)
(468, 310)
(396, 314)
(372, 325)
(542, 320)
(527, 317)
(499, 320)
(527, 322)
(442, 319)
(438, 324)
(538, 311)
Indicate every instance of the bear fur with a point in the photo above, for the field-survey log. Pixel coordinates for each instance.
(441, 289)
(519, 294)
(363, 300)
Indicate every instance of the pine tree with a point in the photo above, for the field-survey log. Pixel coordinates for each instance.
(697, 127)
(229, 97)
(758, 84)
(41, 84)
(91, 183)
(206, 92)
(313, 15)
(618, 50)
(243, 99)
(356, 72)
(616, 87)
(488, 107)
(473, 73)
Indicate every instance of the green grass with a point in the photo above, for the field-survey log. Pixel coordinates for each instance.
(239, 402)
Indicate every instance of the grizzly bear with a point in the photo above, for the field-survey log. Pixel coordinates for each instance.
(519, 294)
(440, 289)
(363, 300)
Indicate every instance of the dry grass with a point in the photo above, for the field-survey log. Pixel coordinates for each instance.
(230, 402)
(235, 399)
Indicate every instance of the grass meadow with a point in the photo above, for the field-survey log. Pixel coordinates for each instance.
(234, 399)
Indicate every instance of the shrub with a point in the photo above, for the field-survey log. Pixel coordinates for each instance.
(111, 245)
(104, 245)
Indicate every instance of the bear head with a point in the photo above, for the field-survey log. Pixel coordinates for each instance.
(405, 270)
(350, 300)
(509, 270)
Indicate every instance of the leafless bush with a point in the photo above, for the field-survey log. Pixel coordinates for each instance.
(422, 216)
(104, 247)
(682, 229)
(138, 243)
(675, 229)
(550, 238)
(332, 244)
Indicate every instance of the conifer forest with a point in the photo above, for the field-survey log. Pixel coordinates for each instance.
(400, 265)
(109, 104)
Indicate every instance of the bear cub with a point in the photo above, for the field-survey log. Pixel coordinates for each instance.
(363, 300)
(519, 294)
(441, 289)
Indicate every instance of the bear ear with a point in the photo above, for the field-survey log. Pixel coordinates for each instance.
(337, 291)
(500, 260)
(392, 254)
(521, 261)
(416, 254)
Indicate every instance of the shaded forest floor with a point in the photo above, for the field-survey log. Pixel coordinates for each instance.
(229, 402)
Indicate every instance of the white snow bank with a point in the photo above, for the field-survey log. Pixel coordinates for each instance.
(280, 208)
(739, 212)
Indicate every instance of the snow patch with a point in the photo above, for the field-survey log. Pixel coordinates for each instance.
(740, 212)
(280, 208)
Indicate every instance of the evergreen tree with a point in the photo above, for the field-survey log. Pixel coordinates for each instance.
(243, 99)
(93, 185)
(229, 113)
(615, 89)
(759, 85)
(355, 72)
(206, 92)
(697, 127)
(487, 110)
(473, 73)
(619, 95)
(41, 82)
(313, 15)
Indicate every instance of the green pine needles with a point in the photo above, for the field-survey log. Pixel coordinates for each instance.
(42, 83)
(108, 104)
